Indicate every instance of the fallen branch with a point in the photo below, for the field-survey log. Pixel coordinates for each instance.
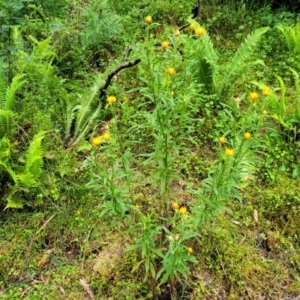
(34, 236)
(115, 72)
(196, 12)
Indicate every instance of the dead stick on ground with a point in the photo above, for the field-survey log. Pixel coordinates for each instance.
(196, 17)
(34, 236)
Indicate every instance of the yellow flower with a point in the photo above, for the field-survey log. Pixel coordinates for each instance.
(170, 71)
(222, 140)
(175, 205)
(247, 136)
(229, 152)
(165, 44)
(266, 91)
(148, 19)
(190, 250)
(192, 26)
(265, 112)
(253, 96)
(125, 98)
(200, 31)
(106, 136)
(96, 141)
(177, 33)
(172, 93)
(106, 126)
(111, 99)
(182, 210)
(16, 143)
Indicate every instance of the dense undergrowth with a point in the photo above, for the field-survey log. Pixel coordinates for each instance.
(149, 150)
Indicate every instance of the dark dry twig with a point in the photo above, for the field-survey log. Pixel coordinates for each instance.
(195, 18)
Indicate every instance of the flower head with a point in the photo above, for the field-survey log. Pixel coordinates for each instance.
(125, 98)
(190, 250)
(229, 152)
(170, 71)
(253, 96)
(200, 31)
(177, 33)
(266, 91)
(96, 141)
(165, 44)
(182, 210)
(148, 20)
(175, 205)
(172, 93)
(222, 140)
(247, 136)
(111, 99)
(106, 136)
(192, 26)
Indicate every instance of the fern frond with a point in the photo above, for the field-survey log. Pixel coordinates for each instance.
(297, 37)
(14, 201)
(34, 161)
(5, 117)
(16, 83)
(297, 96)
(85, 110)
(203, 62)
(243, 54)
(2, 92)
(289, 37)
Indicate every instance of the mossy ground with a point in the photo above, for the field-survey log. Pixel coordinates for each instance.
(56, 244)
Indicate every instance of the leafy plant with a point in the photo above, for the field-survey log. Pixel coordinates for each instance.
(21, 179)
(203, 62)
(7, 102)
(291, 37)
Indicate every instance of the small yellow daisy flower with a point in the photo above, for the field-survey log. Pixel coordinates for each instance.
(165, 44)
(200, 31)
(148, 20)
(96, 141)
(111, 99)
(266, 91)
(106, 136)
(175, 205)
(177, 33)
(190, 250)
(222, 140)
(253, 96)
(247, 136)
(192, 26)
(170, 71)
(229, 152)
(182, 210)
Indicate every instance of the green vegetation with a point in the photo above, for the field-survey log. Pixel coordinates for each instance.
(148, 151)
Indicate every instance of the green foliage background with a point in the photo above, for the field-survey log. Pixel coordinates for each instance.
(177, 179)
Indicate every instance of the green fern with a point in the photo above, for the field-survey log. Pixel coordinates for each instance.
(291, 37)
(34, 161)
(203, 62)
(7, 101)
(11, 91)
(86, 112)
(240, 62)
(2, 92)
